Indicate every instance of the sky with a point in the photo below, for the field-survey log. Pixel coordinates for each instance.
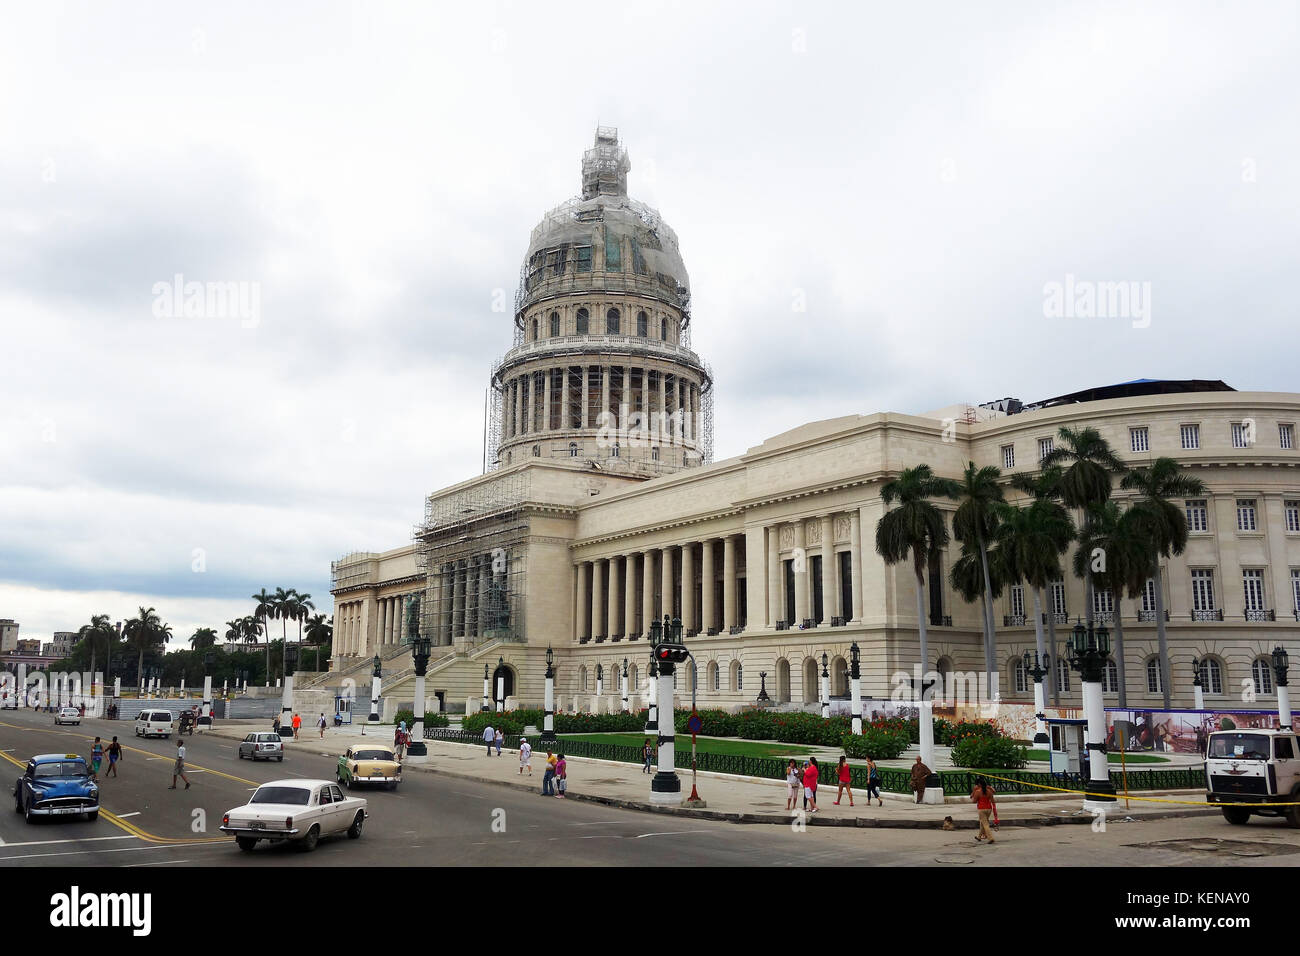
(873, 201)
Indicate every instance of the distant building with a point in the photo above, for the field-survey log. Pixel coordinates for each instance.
(32, 646)
(8, 635)
(64, 642)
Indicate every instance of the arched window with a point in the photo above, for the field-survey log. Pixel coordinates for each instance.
(1153, 676)
(573, 449)
(582, 679)
(1063, 674)
(555, 324)
(663, 329)
(642, 325)
(1262, 669)
(582, 321)
(612, 322)
(654, 453)
(534, 330)
(1019, 676)
(740, 677)
(714, 677)
(1110, 678)
(537, 451)
(1211, 675)
(613, 452)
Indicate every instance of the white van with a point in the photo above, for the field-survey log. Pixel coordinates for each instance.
(154, 723)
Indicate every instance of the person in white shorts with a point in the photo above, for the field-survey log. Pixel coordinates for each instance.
(525, 756)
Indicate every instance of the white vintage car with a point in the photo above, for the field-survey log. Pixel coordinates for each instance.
(299, 810)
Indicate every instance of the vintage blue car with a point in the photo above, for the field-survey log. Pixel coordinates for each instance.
(56, 785)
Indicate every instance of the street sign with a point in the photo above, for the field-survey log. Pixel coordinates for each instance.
(695, 724)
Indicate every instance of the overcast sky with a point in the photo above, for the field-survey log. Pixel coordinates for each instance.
(910, 176)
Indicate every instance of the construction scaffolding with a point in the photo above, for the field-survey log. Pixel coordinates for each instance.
(471, 549)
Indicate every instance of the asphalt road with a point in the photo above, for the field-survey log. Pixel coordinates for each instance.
(433, 820)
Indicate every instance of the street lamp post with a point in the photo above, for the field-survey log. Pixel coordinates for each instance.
(1280, 664)
(205, 711)
(376, 687)
(855, 687)
(486, 685)
(548, 716)
(826, 687)
(668, 651)
(1038, 670)
(1198, 689)
(624, 685)
(501, 685)
(421, 648)
(1089, 648)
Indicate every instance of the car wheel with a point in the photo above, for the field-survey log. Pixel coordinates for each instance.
(280, 758)
(393, 785)
(311, 839)
(92, 816)
(245, 843)
(27, 812)
(354, 831)
(18, 803)
(1236, 815)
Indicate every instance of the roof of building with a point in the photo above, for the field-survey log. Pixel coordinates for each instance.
(1134, 388)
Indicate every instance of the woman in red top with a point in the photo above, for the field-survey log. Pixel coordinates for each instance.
(844, 782)
(982, 796)
(810, 783)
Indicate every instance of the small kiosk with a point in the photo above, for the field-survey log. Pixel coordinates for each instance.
(1066, 750)
(342, 711)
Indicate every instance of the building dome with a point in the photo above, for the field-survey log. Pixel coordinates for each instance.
(602, 368)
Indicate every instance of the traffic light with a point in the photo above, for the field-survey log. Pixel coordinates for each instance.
(671, 653)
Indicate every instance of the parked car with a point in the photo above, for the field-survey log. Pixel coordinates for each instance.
(261, 746)
(67, 715)
(1256, 767)
(366, 764)
(56, 785)
(154, 723)
(300, 811)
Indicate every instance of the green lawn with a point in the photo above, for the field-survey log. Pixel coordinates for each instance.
(717, 745)
(1041, 755)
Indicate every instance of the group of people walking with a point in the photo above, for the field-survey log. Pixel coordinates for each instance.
(808, 776)
(555, 778)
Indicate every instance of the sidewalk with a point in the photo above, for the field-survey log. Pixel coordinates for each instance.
(738, 799)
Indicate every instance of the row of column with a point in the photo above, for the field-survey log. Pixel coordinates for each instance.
(471, 597)
(352, 625)
(608, 603)
(527, 400)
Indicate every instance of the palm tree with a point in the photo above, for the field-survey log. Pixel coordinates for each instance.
(976, 522)
(1085, 480)
(98, 627)
(300, 606)
(1054, 530)
(234, 631)
(1113, 533)
(915, 527)
(281, 608)
(319, 632)
(141, 633)
(203, 638)
(265, 608)
(966, 577)
(1163, 526)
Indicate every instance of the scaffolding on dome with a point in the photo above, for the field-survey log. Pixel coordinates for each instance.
(471, 549)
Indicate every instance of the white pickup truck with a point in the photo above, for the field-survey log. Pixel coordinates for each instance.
(1260, 768)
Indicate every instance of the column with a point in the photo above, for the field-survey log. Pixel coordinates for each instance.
(458, 610)
(597, 599)
(666, 576)
(709, 618)
(830, 607)
(519, 405)
(448, 596)
(729, 582)
(688, 587)
(800, 576)
(383, 621)
(855, 559)
(565, 421)
(645, 403)
(615, 607)
(647, 590)
(604, 393)
(663, 409)
(629, 596)
(505, 413)
(581, 621)
(585, 393)
(775, 612)
(546, 401)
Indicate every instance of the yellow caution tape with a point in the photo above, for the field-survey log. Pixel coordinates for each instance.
(1127, 796)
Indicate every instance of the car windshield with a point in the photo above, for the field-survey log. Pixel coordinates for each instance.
(61, 768)
(1239, 746)
(68, 710)
(372, 755)
(293, 795)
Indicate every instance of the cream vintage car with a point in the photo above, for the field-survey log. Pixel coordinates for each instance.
(369, 764)
(302, 811)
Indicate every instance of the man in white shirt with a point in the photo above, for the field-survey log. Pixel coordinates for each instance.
(489, 735)
(525, 756)
(179, 769)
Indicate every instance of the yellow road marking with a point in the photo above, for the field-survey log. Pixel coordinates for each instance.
(1128, 796)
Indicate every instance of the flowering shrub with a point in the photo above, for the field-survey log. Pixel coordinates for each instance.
(430, 720)
(883, 740)
(991, 753)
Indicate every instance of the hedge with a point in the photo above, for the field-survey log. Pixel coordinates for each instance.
(988, 753)
(876, 742)
(430, 720)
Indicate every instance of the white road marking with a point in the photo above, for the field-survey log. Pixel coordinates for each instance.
(125, 849)
(133, 813)
(642, 836)
(598, 823)
(159, 863)
(54, 842)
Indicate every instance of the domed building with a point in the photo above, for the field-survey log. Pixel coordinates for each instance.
(599, 510)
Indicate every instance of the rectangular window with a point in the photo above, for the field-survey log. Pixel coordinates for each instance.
(1197, 515)
(1191, 435)
(1295, 589)
(1044, 448)
(1017, 600)
(1063, 674)
(1286, 436)
(846, 585)
(815, 569)
(1137, 439)
(1103, 601)
(1058, 597)
(1246, 514)
(584, 258)
(1253, 581)
(1008, 456)
(1203, 589)
(613, 252)
(1022, 678)
(1149, 595)
(1241, 435)
(1292, 509)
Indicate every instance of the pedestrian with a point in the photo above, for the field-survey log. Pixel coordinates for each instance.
(845, 776)
(114, 755)
(275, 723)
(810, 783)
(321, 724)
(525, 756)
(96, 758)
(297, 722)
(791, 784)
(562, 775)
(803, 770)
(920, 774)
(873, 782)
(401, 740)
(489, 735)
(982, 797)
(179, 769)
(499, 740)
(647, 754)
(548, 790)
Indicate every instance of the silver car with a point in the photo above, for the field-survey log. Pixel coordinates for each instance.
(261, 746)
